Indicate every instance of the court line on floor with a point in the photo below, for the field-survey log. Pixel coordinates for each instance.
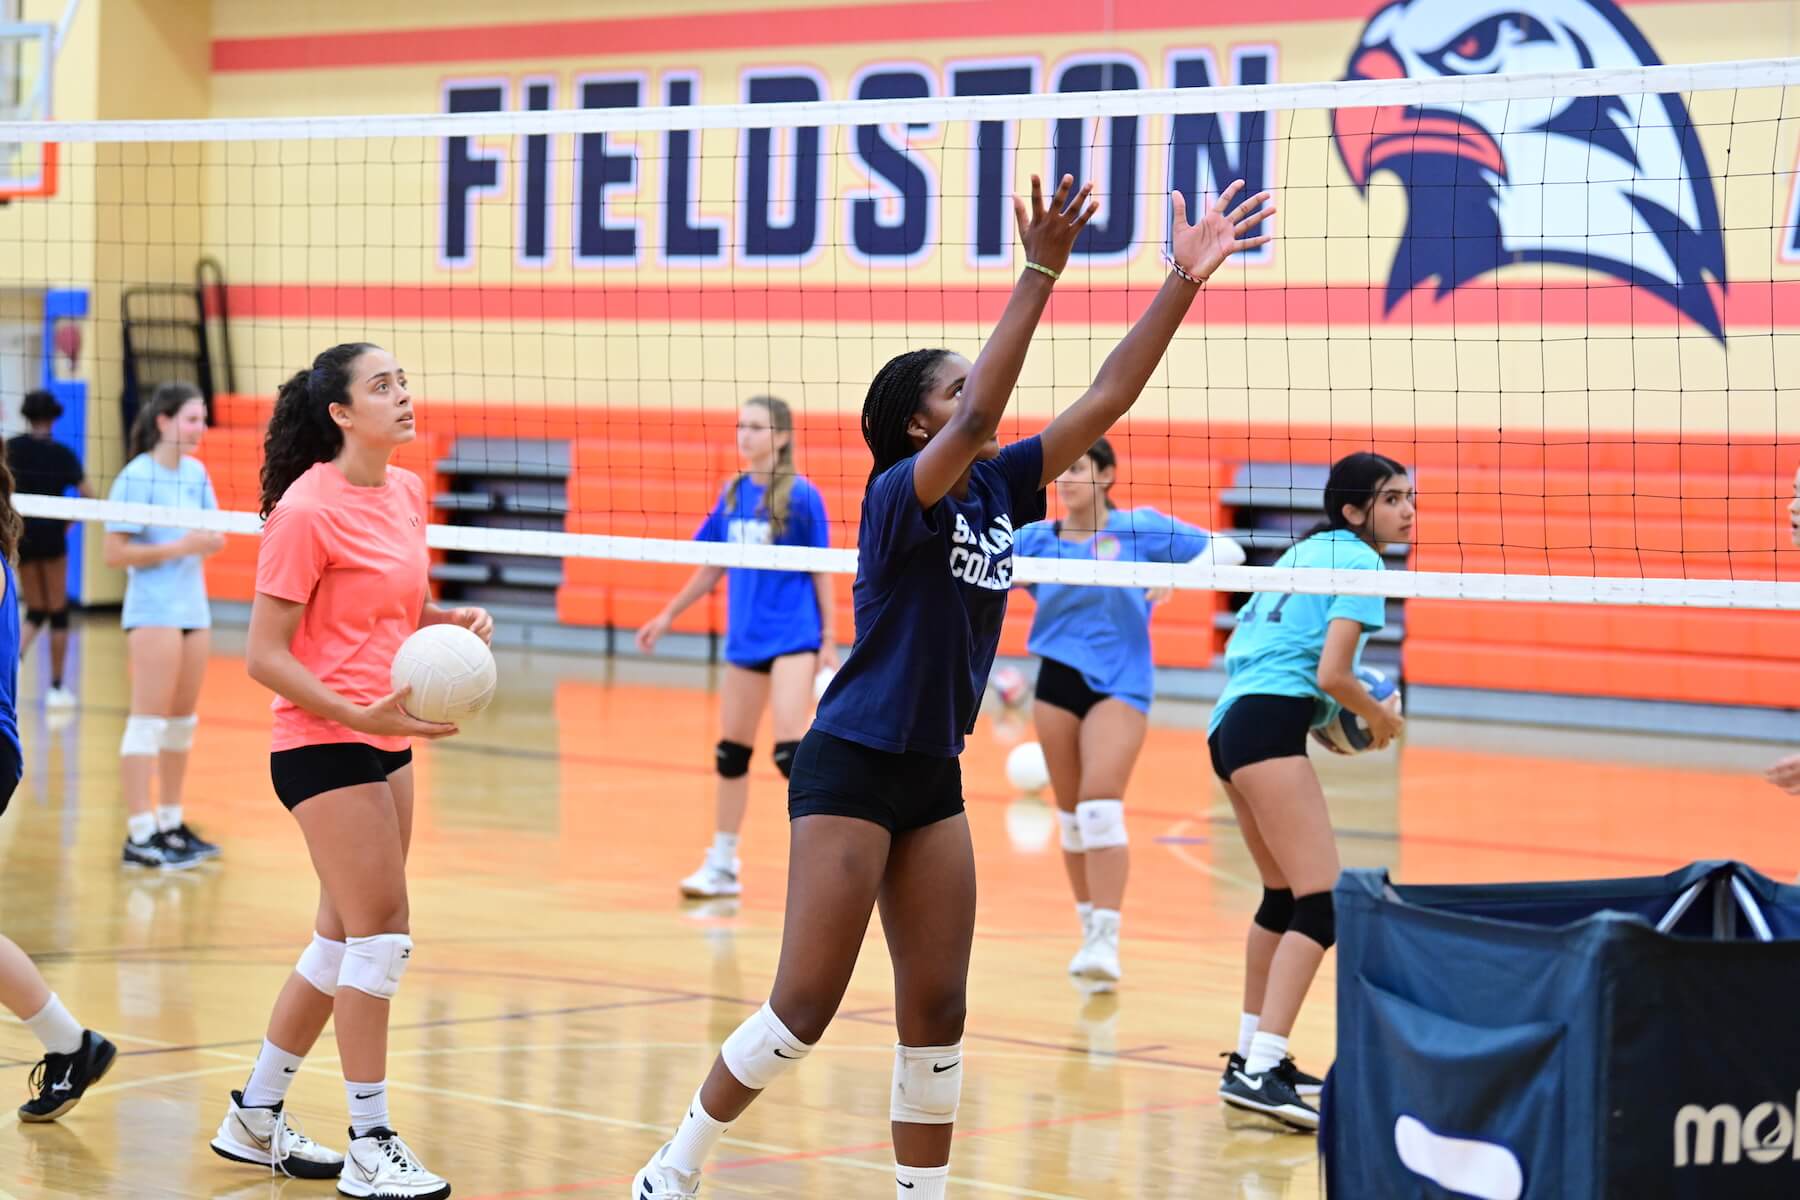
(769, 1152)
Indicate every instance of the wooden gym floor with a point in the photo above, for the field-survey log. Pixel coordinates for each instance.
(563, 1004)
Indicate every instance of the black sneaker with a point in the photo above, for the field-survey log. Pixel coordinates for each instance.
(1272, 1094)
(160, 853)
(181, 835)
(1306, 1085)
(58, 1080)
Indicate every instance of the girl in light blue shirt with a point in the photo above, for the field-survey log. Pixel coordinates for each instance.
(1094, 685)
(1292, 663)
(167, 622)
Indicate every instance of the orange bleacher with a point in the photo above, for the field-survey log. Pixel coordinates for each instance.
(1521, 504)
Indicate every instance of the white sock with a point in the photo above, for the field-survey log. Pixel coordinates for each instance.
(1106, 920)
(168, 816)
(368, 1106)
(55, 1028)
(271, 1077)
(1266, 1051)
(724, 850)
(1247, 1023)
(695, 1140)
(1085, 911)
(920, 1183)
(141, 826)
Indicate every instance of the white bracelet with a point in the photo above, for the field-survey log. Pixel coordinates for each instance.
(1181, 271)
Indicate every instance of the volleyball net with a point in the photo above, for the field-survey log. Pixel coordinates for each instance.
(1567, 302)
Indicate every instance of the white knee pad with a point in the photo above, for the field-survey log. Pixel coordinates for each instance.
(143, 736)
(374, 965)
(927, 1084)
(321, 962)
(1102, 823)
(762, 1049)
(1071, 831)
(178, 732)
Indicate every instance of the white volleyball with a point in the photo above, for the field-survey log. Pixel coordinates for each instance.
(1026, 769)
(822, 680)
(451, 673)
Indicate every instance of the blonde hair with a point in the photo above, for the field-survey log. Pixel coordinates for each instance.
(780, 496)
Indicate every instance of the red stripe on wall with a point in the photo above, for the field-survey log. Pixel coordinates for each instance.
(760, 30)
(1750, 307)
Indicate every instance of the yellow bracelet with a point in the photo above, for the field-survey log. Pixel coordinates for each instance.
(1054, 275)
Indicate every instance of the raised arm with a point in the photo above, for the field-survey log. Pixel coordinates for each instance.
(1049, 235)
(1198, 251)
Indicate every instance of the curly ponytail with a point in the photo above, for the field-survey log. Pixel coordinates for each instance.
(301, 432)
(893, 398)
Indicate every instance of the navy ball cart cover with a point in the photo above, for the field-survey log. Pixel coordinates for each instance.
(1633, 1039)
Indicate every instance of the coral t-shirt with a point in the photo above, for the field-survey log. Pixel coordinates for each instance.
(356, 558)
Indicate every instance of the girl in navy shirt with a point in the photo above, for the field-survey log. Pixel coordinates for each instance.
(875, 801)
(778, 624)
(1094, 686)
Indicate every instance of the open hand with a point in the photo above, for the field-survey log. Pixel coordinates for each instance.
(1202, 247)
(476, 620)
(387, 718)
(1049, 233)
(648, 635)
(1786, 775)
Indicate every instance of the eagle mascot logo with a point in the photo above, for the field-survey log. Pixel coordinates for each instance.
(1613, 184)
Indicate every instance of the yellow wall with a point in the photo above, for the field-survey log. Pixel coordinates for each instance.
(317, 218)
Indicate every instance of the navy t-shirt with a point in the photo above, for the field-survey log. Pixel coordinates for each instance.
(931, 588)
(768, 613)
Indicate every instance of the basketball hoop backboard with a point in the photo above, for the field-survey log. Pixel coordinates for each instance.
(27, 60)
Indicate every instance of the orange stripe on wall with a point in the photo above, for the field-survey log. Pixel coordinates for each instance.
(1750, 306)
(754, 29)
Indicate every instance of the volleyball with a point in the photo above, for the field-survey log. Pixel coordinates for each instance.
(1347, 733)
(1026, 769)
(822, 680)
(450, 671)
(1009, 686)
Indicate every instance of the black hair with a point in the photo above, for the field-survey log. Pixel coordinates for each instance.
(1103, 457)
(1355, 479)
(40, 405)
(301, 432)
(894, 396)
(165, 401)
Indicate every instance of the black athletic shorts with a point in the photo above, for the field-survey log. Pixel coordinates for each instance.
(768, 664)
(306, 771)
(898, 792)
(1258, 728)
(12, 769)
(1062, 685)
(44, 540)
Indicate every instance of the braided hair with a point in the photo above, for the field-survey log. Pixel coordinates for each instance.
(893, 398)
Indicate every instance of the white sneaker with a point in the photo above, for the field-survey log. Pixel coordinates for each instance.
(58, 697)
(381, 1166)
(263, 1138)
(658, 1181)
(1087, 926)
(712, 881)
(1098, 959)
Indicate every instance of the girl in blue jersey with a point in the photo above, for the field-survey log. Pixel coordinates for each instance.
(875, 801)
(1094, 685)
(74, 1058)
(1292, 663)
(168, 623)
(779, 624)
